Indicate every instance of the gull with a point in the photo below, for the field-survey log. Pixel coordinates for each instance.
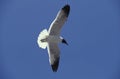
(52, 38)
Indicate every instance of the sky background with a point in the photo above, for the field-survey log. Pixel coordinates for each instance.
(92, 31)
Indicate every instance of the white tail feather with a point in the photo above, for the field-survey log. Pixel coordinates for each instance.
(42, 35)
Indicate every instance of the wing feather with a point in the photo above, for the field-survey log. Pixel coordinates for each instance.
(60, 19)
(54, 55)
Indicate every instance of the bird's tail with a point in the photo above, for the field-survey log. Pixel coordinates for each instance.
(42, 35)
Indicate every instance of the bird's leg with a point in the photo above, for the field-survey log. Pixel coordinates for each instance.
(43, 40)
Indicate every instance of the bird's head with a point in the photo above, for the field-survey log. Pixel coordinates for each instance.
(64, 41)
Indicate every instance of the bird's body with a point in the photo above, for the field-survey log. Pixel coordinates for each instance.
(52, 38)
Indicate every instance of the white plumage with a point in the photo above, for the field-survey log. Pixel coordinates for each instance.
(51, 38)
(41, 36)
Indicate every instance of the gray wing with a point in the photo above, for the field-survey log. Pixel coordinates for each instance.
(60, 19)
(54, 55)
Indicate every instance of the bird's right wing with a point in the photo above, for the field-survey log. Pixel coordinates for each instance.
(60, 19)
(54, 55)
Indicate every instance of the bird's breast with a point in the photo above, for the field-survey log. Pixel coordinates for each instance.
(55, 39)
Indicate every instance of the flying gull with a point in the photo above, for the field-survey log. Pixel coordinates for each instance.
(52, 38)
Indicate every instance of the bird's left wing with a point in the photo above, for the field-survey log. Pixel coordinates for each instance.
(54, 55)
(60, 19)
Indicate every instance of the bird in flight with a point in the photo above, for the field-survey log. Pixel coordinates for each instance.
(52, 38)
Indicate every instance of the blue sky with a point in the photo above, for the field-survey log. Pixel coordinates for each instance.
(92, 31)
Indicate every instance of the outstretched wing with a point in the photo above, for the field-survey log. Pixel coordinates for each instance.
(60, 19)
(54, 55)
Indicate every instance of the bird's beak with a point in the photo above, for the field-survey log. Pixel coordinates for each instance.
(64, 41)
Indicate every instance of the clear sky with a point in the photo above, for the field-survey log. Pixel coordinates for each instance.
(92, 31)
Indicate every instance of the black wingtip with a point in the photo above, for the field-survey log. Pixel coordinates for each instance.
(55, 65)
(66, 9)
